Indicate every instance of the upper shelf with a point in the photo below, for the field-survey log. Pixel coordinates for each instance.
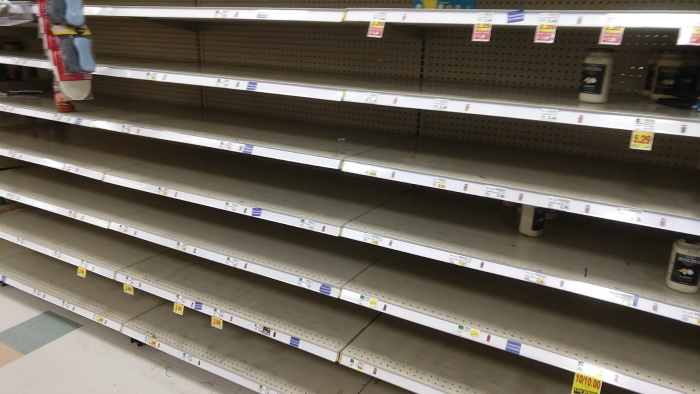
(624, 111)
(221, 13)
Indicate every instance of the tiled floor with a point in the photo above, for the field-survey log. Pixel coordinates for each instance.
(45, 349)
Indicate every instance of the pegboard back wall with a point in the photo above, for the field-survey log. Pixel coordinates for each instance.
(669, 151)
(399, 120)
(148, 90)
(320, 47)
(143, 39)
(511, 58)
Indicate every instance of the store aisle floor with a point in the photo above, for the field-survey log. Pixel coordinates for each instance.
(45, 349)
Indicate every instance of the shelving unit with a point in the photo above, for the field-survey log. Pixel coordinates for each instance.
(381, 171)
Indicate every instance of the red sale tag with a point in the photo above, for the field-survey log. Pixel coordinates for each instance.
(546, 28)
(695, 36)
(611, 35)
(376, 26)
(482, 28)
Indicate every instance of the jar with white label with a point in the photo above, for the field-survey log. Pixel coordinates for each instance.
(532, 220)
(668, 73)
(651, 72)
(684, 268)
(595, 78)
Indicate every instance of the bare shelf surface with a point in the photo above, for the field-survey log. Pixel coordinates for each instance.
(617, 262)
(95, 296)
(421, 360)
(553, 328)
(98, 250)
(297, 141)
(274, 365)
(669, 198)
(271, 307)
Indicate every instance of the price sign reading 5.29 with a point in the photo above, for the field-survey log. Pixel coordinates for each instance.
(585, 384)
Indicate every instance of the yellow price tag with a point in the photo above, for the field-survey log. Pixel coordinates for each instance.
(642, 140)
(178, 308)
(101, 319)
(82, 272)
(217, 323)
(585, 384)
(128, 289)
(153, 342)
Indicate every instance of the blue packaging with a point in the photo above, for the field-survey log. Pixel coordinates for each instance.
(445, 4)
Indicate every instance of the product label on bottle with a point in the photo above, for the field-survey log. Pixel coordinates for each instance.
(686, 270)
(651, 70)
(592, 78)
(538, 217)
(667, 79)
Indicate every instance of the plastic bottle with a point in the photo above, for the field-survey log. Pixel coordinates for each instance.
(688, 80)
(668, 73)
(651, 72)
(595, 78)
(684, 267)
(532, 220)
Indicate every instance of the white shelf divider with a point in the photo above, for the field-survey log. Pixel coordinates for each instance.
(616, 263)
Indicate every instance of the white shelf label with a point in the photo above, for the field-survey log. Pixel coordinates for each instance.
(38, 293)
(468, 332)
(307, 224)
(535, 277)
(440, 104)
(622, 298)
(163, 191)
(12, 196)
(549, 115)
(231, 262)
(460, 260)
(372, 239)
(232, 146)
(691, 317)
(229, 206)
(306, 283)
(263, 330)
(368, 301)
(222, 83)
(496, 192)
(371, 98)
(183, 247)
(559, 203)
(629, 215)
(220, 14)
(440, 183)
(68, 305)
(589, 369)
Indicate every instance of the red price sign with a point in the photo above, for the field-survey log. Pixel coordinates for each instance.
(611, 35)
(376, 26)
(482, 32)
(584, 384)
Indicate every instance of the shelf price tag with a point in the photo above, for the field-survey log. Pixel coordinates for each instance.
(82, 272)
(559, 203)
(549, 115)
(441, 104)
(691, 317)
(178, 308)
(535, 277)
(220, 14)
(482, 28)
(495, 192)
(128, 289)
(439, 183)
(307, 224)
(643, 135)
(459, 260)
(368, 301)
(546, 28)
(689, 35)
(376, 25)
(467, 332)
(217, 319)
(585, 384)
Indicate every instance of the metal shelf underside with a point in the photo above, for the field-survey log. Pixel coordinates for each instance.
(296, 312)
(669, 198)
(621, 112)
(98, 250)
(298, 196)
(618, 263)
(546, 325)
(293, 255)
(424, 361)
(297, 141)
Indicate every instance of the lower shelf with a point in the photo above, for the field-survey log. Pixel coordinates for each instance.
(238, 355)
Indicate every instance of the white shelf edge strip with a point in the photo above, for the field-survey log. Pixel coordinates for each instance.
(561, 203)
(236, 320)
(230, 261)
(573, 286)
(46, 162)
(582, 117)
(169, 135)
(651, 19)
(64, 304)
(241, 208)
(272, 14)
(95, 221)
(228, 375)
(498, 342)
(65, 257)
(138, 336)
